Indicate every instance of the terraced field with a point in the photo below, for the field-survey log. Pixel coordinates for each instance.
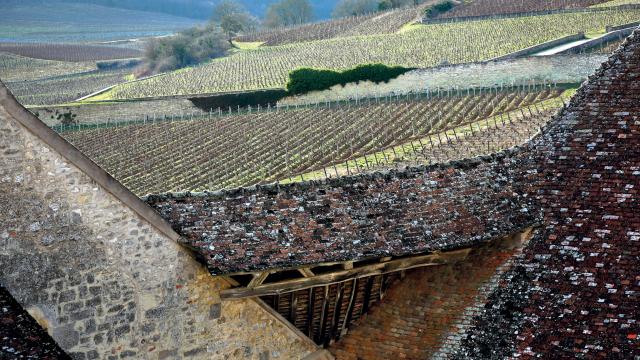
(618, 3)
(563, 69)
(379, 23)
(420, 46)
(606, 48)
(68, 52)
(66, 88)
(499, 7)
(19, 68)
(248, 149)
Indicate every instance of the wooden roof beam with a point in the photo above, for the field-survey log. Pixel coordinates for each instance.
(258, 279)
(306, 272)
(344, 275)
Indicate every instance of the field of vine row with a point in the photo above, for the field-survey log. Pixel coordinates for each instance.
(66, 88)
(421, 46)
(500, 7)
(69, 52)
(539, 70)
(19, 68)
(370, 24)
(617, 3)
(248, 149)
(483, 137)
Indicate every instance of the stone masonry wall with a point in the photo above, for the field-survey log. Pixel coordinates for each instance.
(102, 281)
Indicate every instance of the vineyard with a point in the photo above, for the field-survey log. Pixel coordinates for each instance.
(563, 69)
(618, 3)
(227, 151)
(20, 68)
(377, 23)
(484, 137)
(68, 52)
(500, 7)
(66, 88)
(421, 46)
(98, 113)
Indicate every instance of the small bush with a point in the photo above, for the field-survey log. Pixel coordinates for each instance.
(187, 48)
(439, 8)
(304, 80)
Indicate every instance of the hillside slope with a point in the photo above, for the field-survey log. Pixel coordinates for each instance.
(195, 9)
(66, 22)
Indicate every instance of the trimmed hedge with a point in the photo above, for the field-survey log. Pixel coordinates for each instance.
(241, 99)
(304, 80)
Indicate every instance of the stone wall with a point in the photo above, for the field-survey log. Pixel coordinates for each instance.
(104, 282)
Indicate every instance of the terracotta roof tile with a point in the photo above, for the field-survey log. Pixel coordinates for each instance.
(394, 214)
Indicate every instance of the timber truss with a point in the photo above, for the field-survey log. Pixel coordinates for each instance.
(278, 282)
(323, 300)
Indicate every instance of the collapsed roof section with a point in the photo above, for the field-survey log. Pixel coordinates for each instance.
(399, 213)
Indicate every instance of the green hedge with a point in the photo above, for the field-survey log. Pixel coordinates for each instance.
(241, 99)
(304, 80)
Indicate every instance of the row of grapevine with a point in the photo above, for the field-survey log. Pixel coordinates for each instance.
(484, 137)
(64, 89)
(247, 149)
(498, 7)
(68, 52)
(422, 46)
(19, 68)
(369, 24)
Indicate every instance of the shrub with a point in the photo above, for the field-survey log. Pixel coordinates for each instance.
(439, 8)
(190, 47)
(304, 80)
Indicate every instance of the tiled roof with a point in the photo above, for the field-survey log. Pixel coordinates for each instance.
(20, 335)
(368, 216)
(575, 291)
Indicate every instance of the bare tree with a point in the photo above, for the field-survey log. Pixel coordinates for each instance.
(289, 12)
(354, 7)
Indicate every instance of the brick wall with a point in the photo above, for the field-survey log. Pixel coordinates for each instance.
(102, 281)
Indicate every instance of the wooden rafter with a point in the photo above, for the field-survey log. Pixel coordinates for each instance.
(335, 318)
(352, 298)
(258, 279)
(306, 272)
(367, 296)
(256, 288)
(323, 315)
(310, 312)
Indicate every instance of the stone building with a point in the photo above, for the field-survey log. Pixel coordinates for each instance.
(532, 252)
